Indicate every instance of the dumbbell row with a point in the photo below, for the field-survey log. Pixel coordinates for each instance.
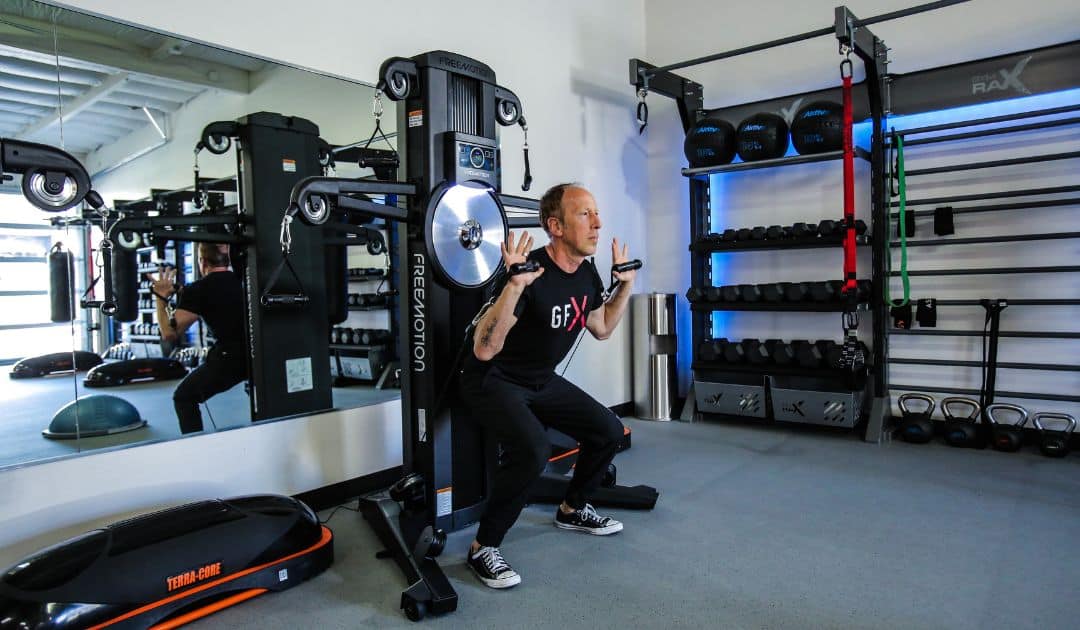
(801, 352)
(359, 336)
(825, 229)
(825, 291)
(367, 272)
(145, 329)
(367, 299)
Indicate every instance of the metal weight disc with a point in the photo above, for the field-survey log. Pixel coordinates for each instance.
(466, 225)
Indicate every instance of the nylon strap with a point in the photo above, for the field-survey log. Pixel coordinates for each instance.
(850, 285)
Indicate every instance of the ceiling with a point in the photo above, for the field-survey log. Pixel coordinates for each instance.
(113, 78)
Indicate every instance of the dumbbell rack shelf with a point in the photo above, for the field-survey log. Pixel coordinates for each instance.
(793, 307)
(379, 307)
(770, 369)
(705, 171)
(368, 347)
(810, 242)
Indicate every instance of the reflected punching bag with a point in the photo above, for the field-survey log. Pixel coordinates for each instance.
(61, 276)
(124, 273)
(337, 284)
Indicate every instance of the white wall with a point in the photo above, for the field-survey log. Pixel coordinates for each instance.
(695, 28)
(565, 60)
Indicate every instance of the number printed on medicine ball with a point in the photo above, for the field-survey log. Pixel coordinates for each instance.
(710, 142)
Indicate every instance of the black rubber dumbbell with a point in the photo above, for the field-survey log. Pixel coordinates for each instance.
(797, 291)
(807, 354)
(803, 230)
(863, 290)
(784, 353)
(828, 227)
(827, 291)
(774, 291)
(832, 352)
(758, 233)
(354, 299)
(777, 232)
(712, 350)
(750, 292)
(730, 293)
(743, 234)
(713, 294)
(694, 294)
(355, 336)
(733, 352)
(729, 235)
(756, 351)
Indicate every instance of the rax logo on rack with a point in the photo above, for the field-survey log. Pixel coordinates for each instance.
(1003, 80)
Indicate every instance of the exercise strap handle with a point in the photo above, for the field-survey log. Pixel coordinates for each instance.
(901, 179)
(527, 182)
(270, 300)
(643, 108)
(377, 112)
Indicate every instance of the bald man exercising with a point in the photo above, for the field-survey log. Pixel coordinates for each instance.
(510, 384)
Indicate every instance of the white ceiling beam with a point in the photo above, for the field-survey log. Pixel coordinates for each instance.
(77, 105)
(118, 55)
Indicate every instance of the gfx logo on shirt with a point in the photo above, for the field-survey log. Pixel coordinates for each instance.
(570, 315)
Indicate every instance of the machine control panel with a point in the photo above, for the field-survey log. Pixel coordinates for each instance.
(472, 158)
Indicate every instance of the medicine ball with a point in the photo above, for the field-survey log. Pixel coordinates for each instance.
(762, 136)
(818, 127)
(710, 142)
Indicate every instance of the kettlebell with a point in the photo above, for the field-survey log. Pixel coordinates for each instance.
(961, 431)
(1054, 442)
(916, 427)
(1006, 436)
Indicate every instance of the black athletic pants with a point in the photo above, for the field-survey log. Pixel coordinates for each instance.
(516, 416)
(221, 371)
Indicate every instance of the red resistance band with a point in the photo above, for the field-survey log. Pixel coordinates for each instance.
(850, 288)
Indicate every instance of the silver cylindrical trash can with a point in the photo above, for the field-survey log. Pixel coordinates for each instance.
(653, 329)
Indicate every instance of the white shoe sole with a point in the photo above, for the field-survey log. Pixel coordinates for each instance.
(492, 583)
(614, 528)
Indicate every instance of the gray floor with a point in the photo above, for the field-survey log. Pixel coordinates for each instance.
(755, 528)
(29, 404)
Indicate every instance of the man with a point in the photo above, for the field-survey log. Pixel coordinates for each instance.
(510, 381)
(217, 297)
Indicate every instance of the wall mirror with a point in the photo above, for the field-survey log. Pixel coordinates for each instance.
(130, 104)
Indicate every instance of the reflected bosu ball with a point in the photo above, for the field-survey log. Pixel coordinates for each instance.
(710, 142)
(92, 416)
(818, 127)
(762, 136)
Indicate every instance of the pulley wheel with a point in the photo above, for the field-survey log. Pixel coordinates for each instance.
(50, 196)
(466, 225)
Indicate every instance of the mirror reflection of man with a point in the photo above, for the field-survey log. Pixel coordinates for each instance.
(218, 297)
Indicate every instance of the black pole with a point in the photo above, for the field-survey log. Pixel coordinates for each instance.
(930, 6)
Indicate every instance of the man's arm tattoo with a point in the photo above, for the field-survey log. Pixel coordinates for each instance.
(485, 339)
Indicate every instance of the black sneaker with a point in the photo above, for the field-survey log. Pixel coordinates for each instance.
(587, 520)
(488, 565)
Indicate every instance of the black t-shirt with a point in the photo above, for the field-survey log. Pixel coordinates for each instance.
(551, 313)
(219, 300)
